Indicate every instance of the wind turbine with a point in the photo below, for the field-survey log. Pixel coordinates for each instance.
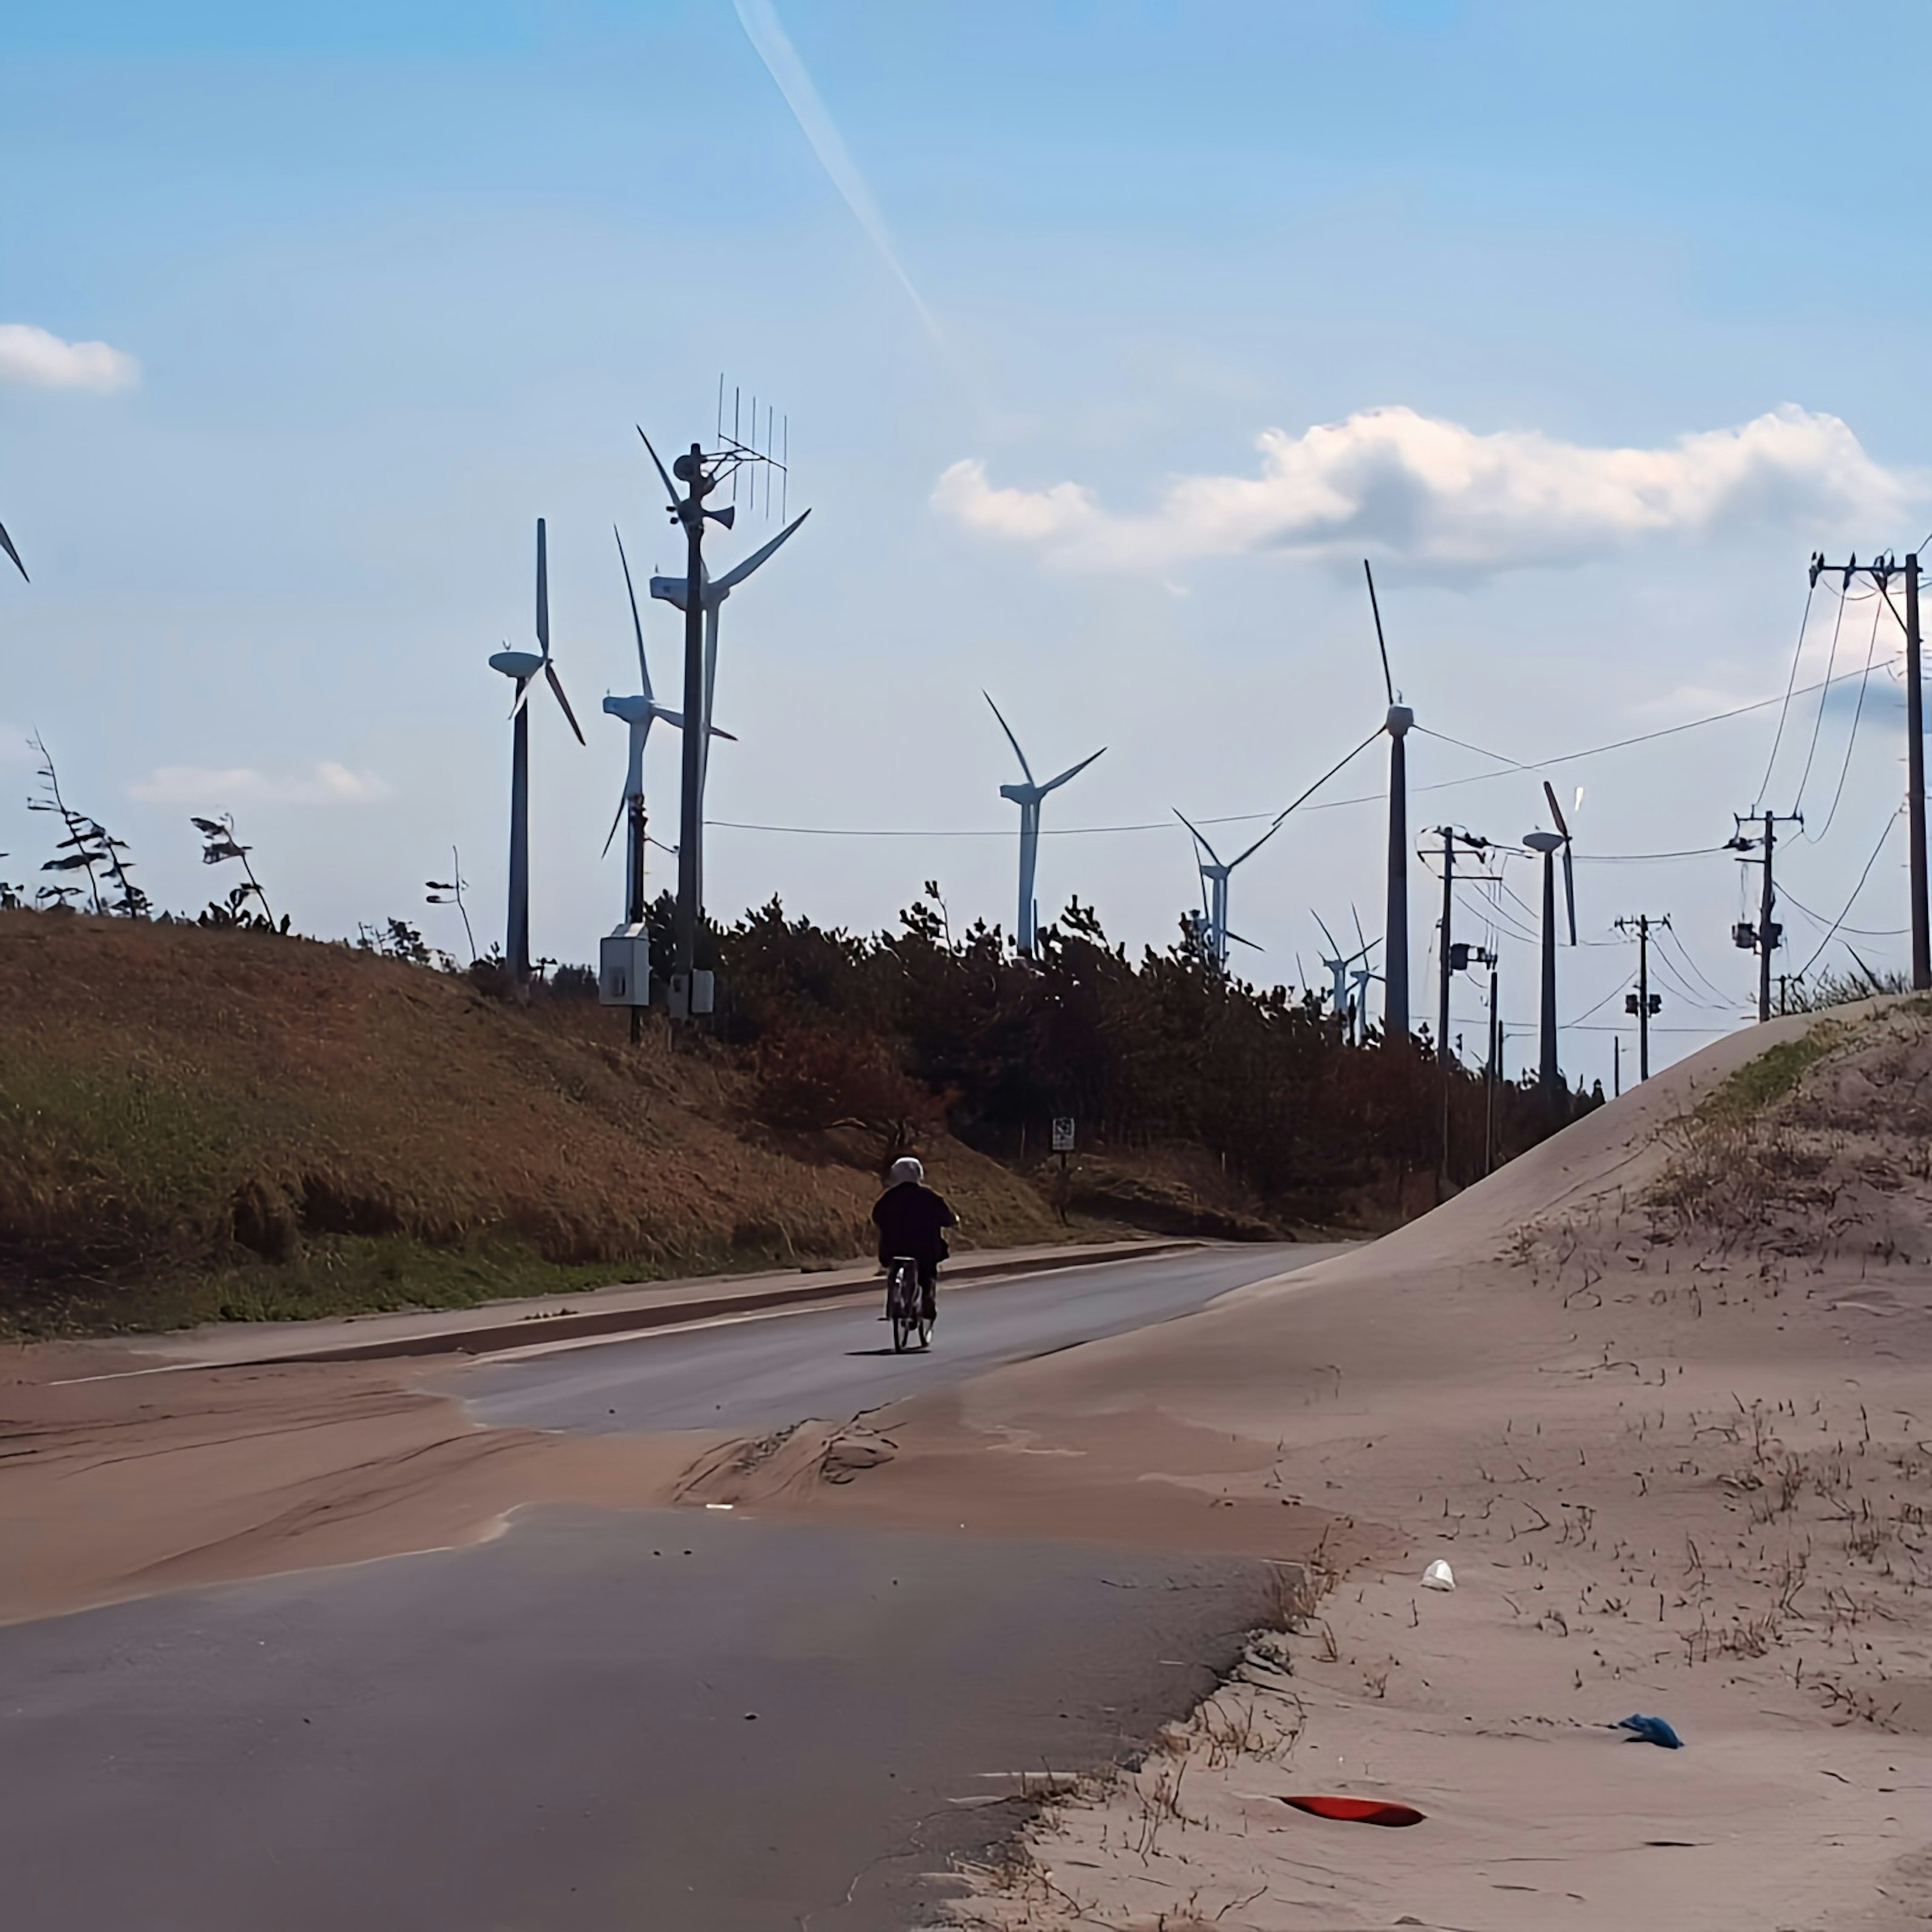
(1027, 797)
(701, 677)
(1214, 885)
(1339, 966)
(523, 666)
(1396, 724)
(639, 711)
(1549, 1076)
(6, 544)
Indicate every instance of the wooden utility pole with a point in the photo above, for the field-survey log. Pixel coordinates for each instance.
(1643, 1003)
(1765, 936)
(1881, 571)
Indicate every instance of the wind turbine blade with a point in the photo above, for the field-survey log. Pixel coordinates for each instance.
(522, 697)
(1388, 683)
(670, 488)
(1010, 739)
(614, 824)
(1259, 842)
(1569, 890)
(1073, 772)
(6, 544)
(637, 622)
(1327, 935)
(543, 595)
(1556, 810)
(1199, 838)
(1359, 939)
(556, 684)
(737, 573)
(716, 732)
(1249, 944)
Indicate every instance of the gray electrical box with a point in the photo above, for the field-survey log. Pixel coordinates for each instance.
(624, 968)
(692, 1001)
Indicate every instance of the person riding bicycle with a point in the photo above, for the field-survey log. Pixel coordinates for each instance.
(910, 1217)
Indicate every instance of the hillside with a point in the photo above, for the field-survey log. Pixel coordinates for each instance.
(197, 1124)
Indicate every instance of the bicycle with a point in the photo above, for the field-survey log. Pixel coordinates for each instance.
(905, 1306)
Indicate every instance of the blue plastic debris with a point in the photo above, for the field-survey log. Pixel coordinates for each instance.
(1650, 1731)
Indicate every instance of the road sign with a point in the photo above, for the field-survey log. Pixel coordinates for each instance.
(1063, 1133)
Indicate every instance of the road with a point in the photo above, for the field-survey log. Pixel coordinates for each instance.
(831, 1361)
(605, 1720)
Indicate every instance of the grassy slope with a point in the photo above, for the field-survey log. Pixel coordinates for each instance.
(196, 1124)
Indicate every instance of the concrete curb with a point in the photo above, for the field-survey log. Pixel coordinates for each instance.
(497, 1337)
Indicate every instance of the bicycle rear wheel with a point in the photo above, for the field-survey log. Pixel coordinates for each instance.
(903, 1302)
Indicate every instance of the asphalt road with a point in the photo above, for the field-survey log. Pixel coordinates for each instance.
(611, 1722)
(833, 1361)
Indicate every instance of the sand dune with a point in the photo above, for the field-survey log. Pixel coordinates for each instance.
(1657, 1392)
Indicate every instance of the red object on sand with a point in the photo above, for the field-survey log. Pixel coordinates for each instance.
(1358, 1810)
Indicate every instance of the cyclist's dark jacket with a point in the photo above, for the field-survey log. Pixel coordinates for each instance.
(909, 1218)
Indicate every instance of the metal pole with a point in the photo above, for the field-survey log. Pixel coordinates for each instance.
(690, 833)
(1496, 1073)
(1616, 1065)
(517, 941)
(1548, 1074)
(635, 897)
(1442, 1005)
(1643, 996)
(1448, 911)
(1395, 929)
(1915, 781)
(1764, 906)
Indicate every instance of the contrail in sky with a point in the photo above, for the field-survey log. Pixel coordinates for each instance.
(759, 20)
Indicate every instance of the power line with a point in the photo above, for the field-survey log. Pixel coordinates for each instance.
(1824, 696)
(1326, 805)
(1851, 738)
(1838, 923)
(1690, 959)
(1797, 654)
(1819, 920)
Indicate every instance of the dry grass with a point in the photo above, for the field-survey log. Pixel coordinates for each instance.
(197, 1124)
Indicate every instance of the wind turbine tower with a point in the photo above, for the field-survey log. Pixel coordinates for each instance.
(524, 667)
(1214, 875)
(1399, 719)
(1027, 797)
(1549, 843)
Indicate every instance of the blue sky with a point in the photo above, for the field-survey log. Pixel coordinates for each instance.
(398, 279)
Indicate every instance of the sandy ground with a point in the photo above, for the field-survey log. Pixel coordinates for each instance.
(118, 1488)
(1680, 1462)
(1658, 1396)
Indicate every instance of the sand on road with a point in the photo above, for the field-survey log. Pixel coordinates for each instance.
(1659, 1397)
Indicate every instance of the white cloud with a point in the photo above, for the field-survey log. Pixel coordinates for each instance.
(1450, 501)
(216, 788)
(32, 358)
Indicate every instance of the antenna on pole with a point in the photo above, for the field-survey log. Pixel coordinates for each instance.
(1375, 609)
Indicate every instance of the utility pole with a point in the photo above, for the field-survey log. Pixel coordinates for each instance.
(1767, 935)
(689, 469)
(1395, 927)
(1881, 571)
(1452, 959)
(634, 895)
(1643, 1003)
(1616, 1065)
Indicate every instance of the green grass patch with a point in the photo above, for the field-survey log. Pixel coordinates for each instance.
(347, 1275)
(1761, 1082)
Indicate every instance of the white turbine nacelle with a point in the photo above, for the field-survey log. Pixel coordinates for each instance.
(521, 665)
